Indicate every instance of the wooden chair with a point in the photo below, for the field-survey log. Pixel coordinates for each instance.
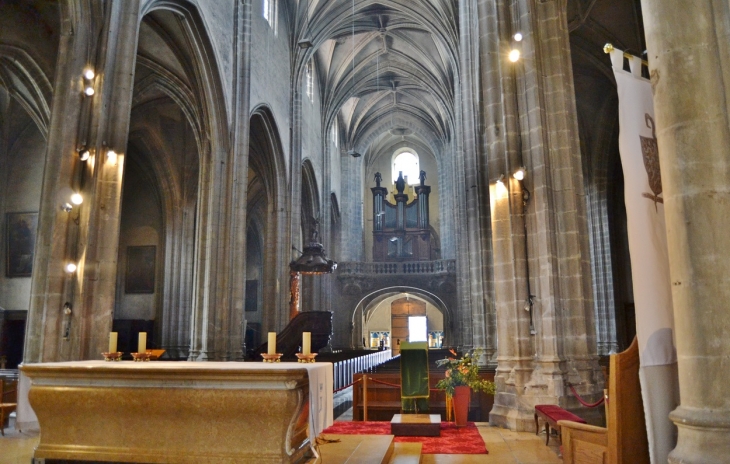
(623, 440)
(8, 400)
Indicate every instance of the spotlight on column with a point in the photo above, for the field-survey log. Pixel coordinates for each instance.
(77, 199)
(519, 174)
(500, 179)
(71, 268)
(67, 207)
(89, 91)
(514, 55)
(111, 156)
(354, 153)
(84, 154)
(89, 73)
(518, 37)
(305, 44)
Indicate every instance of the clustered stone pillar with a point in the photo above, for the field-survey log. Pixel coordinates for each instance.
(535, 366)
(71, 314)
(689, 63)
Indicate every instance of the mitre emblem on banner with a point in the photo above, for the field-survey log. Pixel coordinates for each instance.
(650, 151)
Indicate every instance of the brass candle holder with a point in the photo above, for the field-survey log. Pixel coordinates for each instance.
(109, 357)
(306, 358)
(271, 358)
(141, 357)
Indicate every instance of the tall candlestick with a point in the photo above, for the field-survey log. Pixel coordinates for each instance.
(306, 342)
(112, 342)
(142, 344)
(272, 343)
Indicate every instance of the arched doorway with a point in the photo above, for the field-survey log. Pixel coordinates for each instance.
(388, 319)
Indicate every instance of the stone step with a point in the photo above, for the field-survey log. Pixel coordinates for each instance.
(358, 449)
(406, 453)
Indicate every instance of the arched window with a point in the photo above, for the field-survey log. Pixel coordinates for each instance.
(310, 81)
(406, 161)
(270, 7)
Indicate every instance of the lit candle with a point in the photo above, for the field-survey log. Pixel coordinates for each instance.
(112, 342)
(272, 342)
(306, 342)
(142, 344)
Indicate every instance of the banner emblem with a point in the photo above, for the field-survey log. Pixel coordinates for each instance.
(650, 150)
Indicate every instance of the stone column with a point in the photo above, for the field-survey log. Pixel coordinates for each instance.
(238, 177)
(472, 191)
(534, 368)
(217, 319)
(689, 63)
(501, 140)
(105, 40)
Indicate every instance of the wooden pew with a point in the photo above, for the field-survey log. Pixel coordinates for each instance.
(623, 440)
(8, 400)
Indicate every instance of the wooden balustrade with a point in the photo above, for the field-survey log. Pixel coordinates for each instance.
(374, 399)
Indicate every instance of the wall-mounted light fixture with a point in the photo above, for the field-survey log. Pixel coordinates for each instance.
(500, 179)
(514, 55)
(305, 44)
(518, 37)
(67, 311)
(71, 268)
(67, 207)
(519, 173)
(354, 153)
(84, 154)
(77, 199)
(89, 75)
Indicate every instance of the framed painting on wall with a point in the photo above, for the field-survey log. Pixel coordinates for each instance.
(140, 275)
(20, 243)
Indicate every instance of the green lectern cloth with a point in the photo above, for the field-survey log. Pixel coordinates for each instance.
(414, 376)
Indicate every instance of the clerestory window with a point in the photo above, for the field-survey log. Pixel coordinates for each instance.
(270, 12)
(310, 81)
(407, 162)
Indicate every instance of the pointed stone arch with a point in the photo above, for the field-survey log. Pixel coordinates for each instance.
(267, 207)
(197, 234)
(26, 82)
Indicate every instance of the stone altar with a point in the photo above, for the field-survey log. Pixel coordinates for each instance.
(179, 412)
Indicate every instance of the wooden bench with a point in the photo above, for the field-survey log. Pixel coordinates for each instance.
(551, 414)
(623, 440)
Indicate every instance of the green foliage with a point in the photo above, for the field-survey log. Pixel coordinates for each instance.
(463, 372)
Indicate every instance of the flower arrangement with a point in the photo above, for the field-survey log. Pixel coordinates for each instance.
(463, 372)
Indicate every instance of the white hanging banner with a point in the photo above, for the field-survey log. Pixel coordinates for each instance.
(645, 215)
(649, 256)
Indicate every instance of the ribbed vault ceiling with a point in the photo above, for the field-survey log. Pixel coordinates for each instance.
(387, 69)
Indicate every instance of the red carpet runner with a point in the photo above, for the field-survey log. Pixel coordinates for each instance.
(465, 440)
